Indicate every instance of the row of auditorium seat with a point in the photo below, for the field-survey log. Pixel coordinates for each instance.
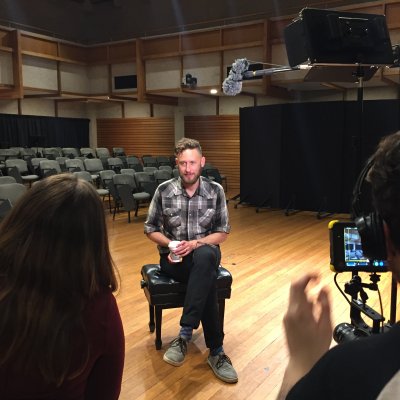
(84, 152)
(91, 170)
(33, 168)
(157, 169)
(117, 160)
(23, 152)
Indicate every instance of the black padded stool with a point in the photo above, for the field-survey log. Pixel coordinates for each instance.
(163, 291)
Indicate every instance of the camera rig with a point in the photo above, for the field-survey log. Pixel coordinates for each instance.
(358, 328)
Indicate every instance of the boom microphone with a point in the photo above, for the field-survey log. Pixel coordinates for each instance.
(232, 85)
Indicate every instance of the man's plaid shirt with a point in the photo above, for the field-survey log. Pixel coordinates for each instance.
(179, 217)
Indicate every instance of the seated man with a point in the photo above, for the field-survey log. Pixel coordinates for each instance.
(192, 209)
(357, 369)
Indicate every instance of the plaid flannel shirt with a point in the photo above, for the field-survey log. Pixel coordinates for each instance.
(180, 217)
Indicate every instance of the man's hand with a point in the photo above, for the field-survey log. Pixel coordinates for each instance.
(307, 323)
(185, 247)
(308, 329)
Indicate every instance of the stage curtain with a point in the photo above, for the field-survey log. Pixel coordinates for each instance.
(31, 131)
(307, 156)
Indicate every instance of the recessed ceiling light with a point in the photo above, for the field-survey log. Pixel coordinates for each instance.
(213, 91)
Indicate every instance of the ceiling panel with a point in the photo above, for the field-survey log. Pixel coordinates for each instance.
(100, 21)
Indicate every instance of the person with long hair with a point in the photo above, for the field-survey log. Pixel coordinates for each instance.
(61, 335)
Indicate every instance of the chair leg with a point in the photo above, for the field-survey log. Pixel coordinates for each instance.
(137, 208)
(158, 340)
(129, 216)
(115, 209)
(151, 322)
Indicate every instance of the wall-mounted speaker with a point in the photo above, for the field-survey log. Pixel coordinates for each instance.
(125, 82)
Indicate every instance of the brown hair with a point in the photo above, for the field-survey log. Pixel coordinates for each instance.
(384, 177)
(54, 257)
(187, 143)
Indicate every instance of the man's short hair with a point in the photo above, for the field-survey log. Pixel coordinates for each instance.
(187, 143)
(384, 177)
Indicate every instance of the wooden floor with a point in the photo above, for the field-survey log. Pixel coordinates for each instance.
(264, 252)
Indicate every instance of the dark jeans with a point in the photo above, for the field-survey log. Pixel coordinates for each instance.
(199, 271)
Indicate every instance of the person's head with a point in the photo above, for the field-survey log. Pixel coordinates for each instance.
(56, 235)
(54, 257)
(384, 177)
(189, 159)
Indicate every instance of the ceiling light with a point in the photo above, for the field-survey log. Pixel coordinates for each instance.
(213, 91)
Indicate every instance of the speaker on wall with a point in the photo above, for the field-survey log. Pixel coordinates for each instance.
(125, 82)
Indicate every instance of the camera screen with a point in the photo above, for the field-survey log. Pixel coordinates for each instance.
(353, 254)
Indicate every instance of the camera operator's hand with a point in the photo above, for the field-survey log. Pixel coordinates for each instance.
(308, 329)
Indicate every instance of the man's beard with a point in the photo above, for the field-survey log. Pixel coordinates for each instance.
(190, 181)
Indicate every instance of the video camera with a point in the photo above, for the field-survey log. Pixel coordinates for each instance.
(347, 255)
(347, 252)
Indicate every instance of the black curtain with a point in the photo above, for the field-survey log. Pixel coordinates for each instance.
(311, 155)
(308, 155)
(32, 131)
(260, 153)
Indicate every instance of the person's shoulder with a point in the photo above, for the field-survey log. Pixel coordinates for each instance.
(169, 183)
(211, 186)
(101, 302)
(392, 389)
(170, 186)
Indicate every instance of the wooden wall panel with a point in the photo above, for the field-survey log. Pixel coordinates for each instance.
(137, 136)
(97, 54)
(393, 15)
(38, 45)
(220, 140)
(201, 40)
(74, 53)
(123, 51)
(218, 135)
(161, 45)
(5, 38)
(243, 34)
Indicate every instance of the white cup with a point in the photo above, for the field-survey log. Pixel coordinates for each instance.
(172, 247)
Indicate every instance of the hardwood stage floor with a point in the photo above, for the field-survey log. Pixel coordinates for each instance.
(264, 252)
